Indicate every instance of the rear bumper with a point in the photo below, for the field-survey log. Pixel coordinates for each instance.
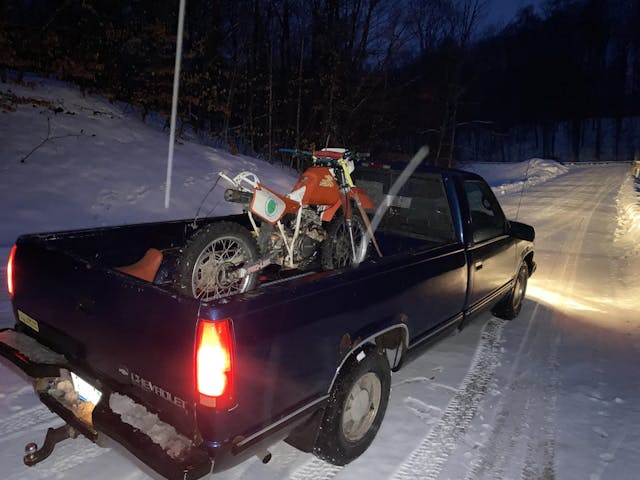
(192, 463)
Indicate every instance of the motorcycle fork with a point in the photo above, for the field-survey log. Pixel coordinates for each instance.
(348, 217)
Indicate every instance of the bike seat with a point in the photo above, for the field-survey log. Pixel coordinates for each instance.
(328, 154)
(145, 268)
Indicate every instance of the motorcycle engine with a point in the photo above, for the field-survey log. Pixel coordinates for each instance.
(306, 245)
(310, 237)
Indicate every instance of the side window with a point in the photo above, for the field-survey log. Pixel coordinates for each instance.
(487, 219)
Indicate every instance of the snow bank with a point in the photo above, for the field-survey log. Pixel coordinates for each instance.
(106, 167)
(628, 204)
(507, 178)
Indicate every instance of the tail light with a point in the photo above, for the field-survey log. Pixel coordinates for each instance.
(214, 363)
(10, 271)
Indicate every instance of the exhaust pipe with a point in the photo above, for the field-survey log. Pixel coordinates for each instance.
(237, 196)
(264, 456)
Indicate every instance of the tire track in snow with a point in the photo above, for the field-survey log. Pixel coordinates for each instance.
(24, 420)
(426, 461)
(532, 435)
(523, 427)
(316, 469)
(539, 463)
(67, 455)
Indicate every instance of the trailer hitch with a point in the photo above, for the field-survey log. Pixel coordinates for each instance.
(33, 455)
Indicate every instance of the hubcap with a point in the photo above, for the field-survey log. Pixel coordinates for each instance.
(361, 407)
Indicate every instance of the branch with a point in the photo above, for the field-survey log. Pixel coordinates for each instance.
(49, 138)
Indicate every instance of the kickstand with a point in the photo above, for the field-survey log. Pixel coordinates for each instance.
(33, 455)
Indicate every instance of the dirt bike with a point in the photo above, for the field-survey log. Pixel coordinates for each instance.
(323, 219)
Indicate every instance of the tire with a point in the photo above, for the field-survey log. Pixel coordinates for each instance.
(509, 307)
(335, 251)
(210, 256)
(355, 409)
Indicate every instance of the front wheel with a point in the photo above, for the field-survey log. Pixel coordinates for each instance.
(510, 306)
(208, 266)
(337, 250)
(355, 409)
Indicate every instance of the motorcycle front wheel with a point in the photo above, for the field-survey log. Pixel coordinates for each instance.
(208, 265)
(337, 250)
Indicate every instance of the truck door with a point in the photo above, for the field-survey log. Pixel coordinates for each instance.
(492, 251)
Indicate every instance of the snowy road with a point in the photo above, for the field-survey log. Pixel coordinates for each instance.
(554, 394)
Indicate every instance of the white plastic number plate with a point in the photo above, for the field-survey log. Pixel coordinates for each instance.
(85, 390)
(267, 206)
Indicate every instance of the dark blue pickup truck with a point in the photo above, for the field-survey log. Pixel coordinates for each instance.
(190, 387)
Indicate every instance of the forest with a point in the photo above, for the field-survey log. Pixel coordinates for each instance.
(560, 81)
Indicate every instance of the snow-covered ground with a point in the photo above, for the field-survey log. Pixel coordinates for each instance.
(553, 394)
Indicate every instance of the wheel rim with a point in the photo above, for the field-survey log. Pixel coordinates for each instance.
(342, 253)
(361, 407)
(214, 269)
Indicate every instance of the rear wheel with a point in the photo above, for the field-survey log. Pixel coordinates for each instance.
(510, 306)
(208, 265)
(355, 409)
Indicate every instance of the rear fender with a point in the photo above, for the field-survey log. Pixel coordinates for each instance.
(394, 339)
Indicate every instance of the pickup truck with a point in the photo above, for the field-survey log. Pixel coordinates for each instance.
(192, 387)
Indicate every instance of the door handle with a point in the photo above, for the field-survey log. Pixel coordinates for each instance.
(478, 265)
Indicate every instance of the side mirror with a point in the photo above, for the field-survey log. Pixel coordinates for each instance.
(522, 231)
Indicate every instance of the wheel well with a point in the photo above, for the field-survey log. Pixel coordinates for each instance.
(529, 261)
(393, 341)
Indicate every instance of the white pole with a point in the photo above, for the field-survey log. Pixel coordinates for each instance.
(174, 102)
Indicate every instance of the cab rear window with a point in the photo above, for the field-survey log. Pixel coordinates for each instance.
(420, 209)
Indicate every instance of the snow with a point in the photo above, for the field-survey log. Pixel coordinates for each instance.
(33, 350)
(628, 203)
(111, 172)
(510, 177)
(552, 394)
(148, 423)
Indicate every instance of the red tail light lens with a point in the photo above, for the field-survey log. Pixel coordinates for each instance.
(214, 363)
(10, 271)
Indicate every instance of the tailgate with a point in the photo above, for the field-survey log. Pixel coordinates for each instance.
(128, 335)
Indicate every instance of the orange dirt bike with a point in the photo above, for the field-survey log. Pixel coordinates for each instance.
(322, 220)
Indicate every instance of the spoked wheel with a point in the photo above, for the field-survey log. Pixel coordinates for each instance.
(209, 265)
(337, 250)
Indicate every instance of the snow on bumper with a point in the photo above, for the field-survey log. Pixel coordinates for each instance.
(117, 416)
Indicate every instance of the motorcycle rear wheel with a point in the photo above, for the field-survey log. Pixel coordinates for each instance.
(206, 268)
